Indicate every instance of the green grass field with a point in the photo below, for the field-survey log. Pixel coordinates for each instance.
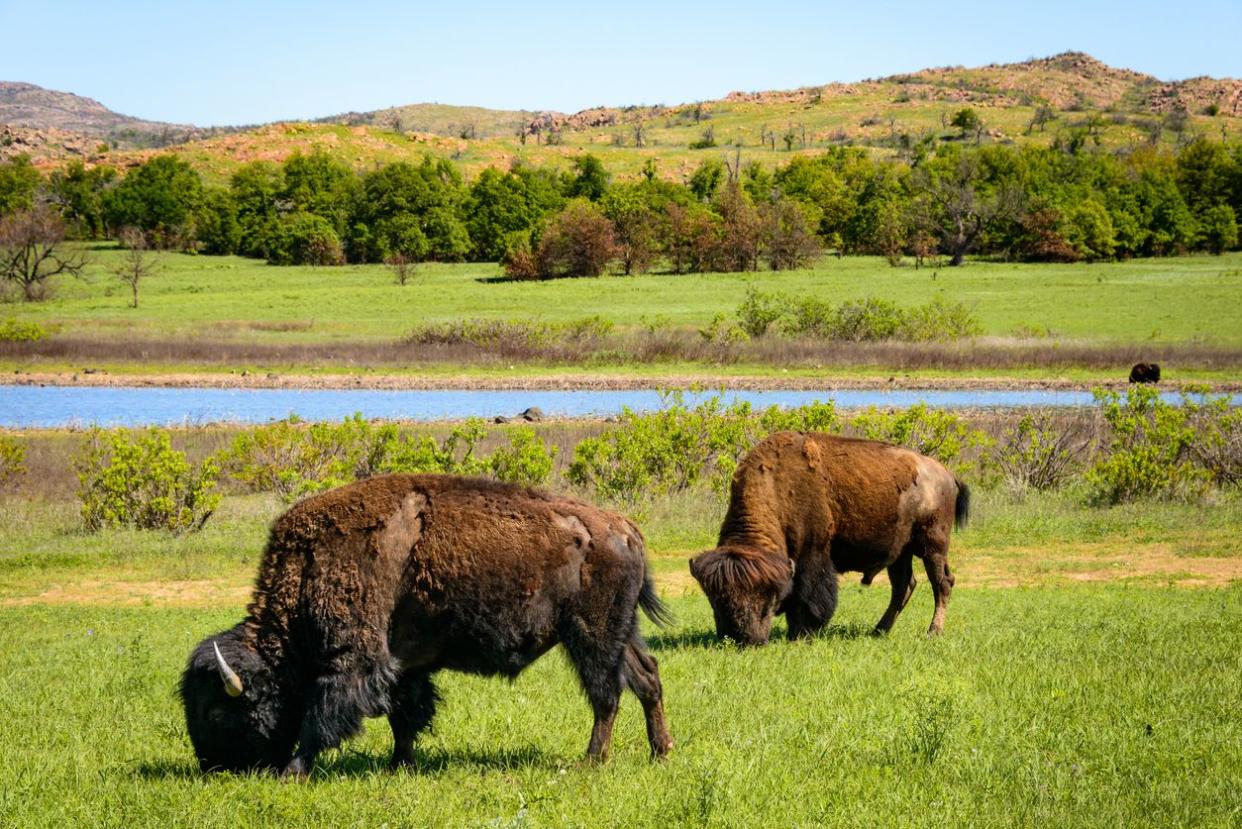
(1082, 680)
(1151, 300)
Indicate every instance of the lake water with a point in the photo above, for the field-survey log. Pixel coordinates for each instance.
(48, 406)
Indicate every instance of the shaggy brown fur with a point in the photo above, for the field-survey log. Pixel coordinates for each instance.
(1145, 373)
(807, 506)
(366, 590)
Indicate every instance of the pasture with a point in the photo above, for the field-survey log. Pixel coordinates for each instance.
(1089, 675)
(211, 313)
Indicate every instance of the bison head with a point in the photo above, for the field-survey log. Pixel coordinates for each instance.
(745, 588)
(236, 715)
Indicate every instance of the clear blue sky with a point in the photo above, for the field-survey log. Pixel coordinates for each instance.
(234, 62)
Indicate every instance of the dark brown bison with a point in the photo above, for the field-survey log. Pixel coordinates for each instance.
(807, 506)
(367, 590)
(1145, 373)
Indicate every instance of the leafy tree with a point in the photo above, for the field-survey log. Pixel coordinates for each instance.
(502, 203)
(1218, 229)
(305, 239)
(19, 181)
(320, 185)
(967, 120)
(217, 227)
(706, 179)
(578, 241)
(160, 197)
(412, 210)
(789, 239)
(255, 189)
(634, 215)
(590, 179)
(79, 194)
(955, 194)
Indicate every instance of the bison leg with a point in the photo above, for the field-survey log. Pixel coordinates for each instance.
(901, 579)
(937, 566)
(598, 657)
(643, 676)
(414, 701)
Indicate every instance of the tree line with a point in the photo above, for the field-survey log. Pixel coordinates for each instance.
(1023, 203)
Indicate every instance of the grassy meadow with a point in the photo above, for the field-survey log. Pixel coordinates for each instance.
(1089, 675)
(1187, 303)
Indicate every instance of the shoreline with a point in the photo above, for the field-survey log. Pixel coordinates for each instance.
(565, 382)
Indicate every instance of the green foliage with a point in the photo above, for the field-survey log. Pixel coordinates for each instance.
(1217, 443)
(967, 120)
(526, 460)
(863, 320)
(160, 197)
(19, 181)
(139, 480)
(509, 335)
(305, 239)
(217, 227)
(934, 432)
(679, 447)
(79, 193)
(12, 459)
(19, 331)
(293, 458)
(590, 179)
(1148, 453)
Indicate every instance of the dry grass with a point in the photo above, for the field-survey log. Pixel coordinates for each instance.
(633, 348)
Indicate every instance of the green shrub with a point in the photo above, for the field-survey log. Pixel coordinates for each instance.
(12, 459)
(680, 447)
(293, 458)
(305, 239)
(1034, 454)
(16, 331)
(759, 311)
(526, 460)
(1149, 450)
(856, 320)
(509, 334)
(933, 432)
(140, 481)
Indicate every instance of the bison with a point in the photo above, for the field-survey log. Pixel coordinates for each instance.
(367, 590)
(1145, 373)
(807, 506)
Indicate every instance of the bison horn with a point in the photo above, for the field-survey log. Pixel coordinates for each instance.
(232, 682)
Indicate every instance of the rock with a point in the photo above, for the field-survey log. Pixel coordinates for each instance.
(532, 415)
(501, 419)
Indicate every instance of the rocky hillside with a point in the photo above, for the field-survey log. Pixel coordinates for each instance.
(1037, 101)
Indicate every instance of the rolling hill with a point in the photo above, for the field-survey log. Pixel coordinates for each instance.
(1037, 101)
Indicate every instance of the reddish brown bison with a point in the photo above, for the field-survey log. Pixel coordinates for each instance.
(367, 590)
(807, 506)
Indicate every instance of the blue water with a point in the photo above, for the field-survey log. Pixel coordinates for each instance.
(47, 406)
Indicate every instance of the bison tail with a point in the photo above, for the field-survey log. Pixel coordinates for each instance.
(961, 510)
(655, 609)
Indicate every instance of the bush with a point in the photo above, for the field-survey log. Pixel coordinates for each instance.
(578, 241)
(293, 459)
(860, 320)
(12, 459)
(526, 460)
(141, 481)
(1149, 451)
(679, 447)
(509, 335)
(305, 239)
(16, 331)
(933, 432)
(1034, 454)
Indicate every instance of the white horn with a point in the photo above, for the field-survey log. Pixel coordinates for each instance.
(232, 682)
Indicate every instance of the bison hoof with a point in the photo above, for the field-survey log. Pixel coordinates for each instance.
(296, 771)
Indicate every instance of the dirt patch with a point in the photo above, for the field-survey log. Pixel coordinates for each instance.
(190, 593)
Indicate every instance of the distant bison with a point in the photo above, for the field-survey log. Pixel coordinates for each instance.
(367, 590)
(1145, 373)
(807, 506)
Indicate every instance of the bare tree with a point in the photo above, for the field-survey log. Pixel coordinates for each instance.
(138, 261)
(403, 268)
(32, 252)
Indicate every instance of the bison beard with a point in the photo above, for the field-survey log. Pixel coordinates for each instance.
(807, 506)
(364, 592)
